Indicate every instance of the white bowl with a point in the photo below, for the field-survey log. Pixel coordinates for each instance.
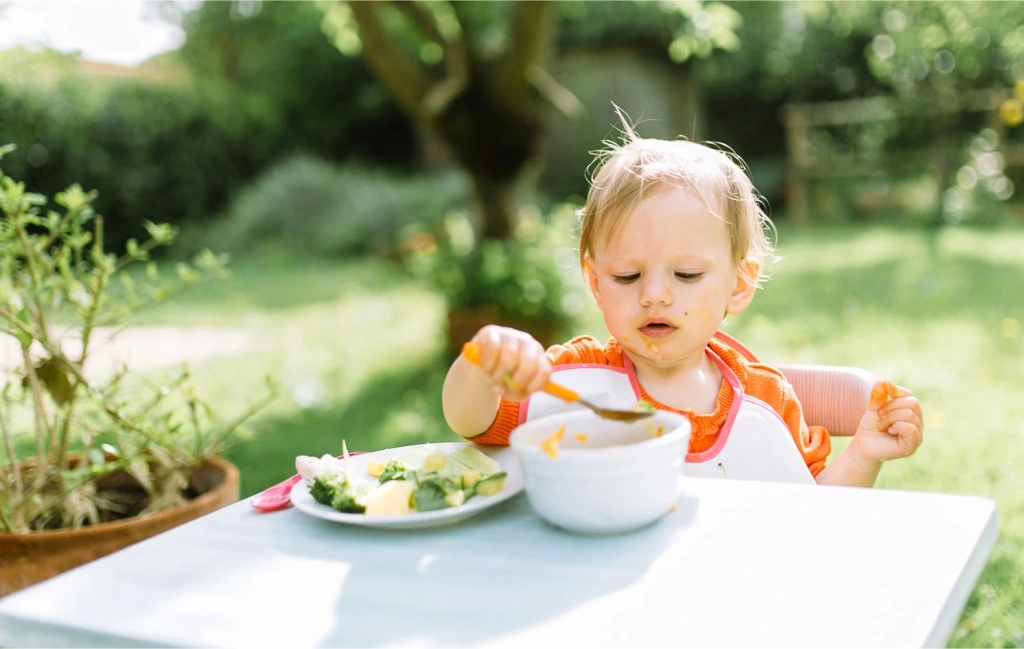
(614, 478)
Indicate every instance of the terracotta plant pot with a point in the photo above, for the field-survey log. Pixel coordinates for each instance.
(33, 557)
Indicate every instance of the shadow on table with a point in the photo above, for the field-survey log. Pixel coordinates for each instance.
(449, 587)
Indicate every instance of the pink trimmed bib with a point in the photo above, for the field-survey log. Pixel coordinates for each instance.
(754, 444)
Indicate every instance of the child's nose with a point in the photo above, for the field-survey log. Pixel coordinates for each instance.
(655, 291)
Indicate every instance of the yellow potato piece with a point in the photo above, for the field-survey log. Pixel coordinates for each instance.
(390, 499)
(376, 469)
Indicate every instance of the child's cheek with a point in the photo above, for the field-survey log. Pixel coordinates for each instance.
(698, 315)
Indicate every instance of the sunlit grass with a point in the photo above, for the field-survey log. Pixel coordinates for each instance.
(358, 351)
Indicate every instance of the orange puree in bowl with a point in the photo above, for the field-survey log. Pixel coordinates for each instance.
(550, 445)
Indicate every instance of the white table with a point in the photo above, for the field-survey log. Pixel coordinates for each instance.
(737, 564)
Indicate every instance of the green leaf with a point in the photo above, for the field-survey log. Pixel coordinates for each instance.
(74, 198)
(162, 233)
(54, 376)
(30, 200)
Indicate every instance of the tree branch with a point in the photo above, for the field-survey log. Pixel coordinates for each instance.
(421, 19)
(456, 61)
(406, 79)
(555, 93)
(531, 41)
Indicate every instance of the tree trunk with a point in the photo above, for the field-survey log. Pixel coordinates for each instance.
(490, 113)
(496, 201)
(496, 146)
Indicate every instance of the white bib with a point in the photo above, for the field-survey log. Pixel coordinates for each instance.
(754, 443)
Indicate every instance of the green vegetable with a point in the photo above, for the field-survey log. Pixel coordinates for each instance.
(333, 491)
(345, 502)
(322, 490)
(394, 470)
(475, 459)
(429, 496)
(442, 482)
(455, 498)
(491, 485)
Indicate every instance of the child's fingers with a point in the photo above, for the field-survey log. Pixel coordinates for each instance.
(902, 392)
(893, 417)
(489, 340)
(884, 392)
(525, 376)
(510, 394)
(540, 376)
(908, 436)
(891, 389)
(900, 403)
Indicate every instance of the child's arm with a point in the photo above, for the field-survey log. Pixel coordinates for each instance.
(512, 366)
(892, 427)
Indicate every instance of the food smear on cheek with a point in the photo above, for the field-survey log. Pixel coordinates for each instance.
(647, 343)
(550, 445)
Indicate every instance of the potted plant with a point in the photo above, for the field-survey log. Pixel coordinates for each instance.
(91, 463)
(529, 281)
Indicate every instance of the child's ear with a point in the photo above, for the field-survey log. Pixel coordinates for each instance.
(595, 292)
(746, 286)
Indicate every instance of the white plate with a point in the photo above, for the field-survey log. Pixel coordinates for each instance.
(413, 520)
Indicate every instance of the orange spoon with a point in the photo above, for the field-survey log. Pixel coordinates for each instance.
(471, 351)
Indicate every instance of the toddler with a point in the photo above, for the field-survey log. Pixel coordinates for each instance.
(673, 240)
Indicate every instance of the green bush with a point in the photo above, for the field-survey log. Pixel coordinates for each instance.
(259, 87)
(308, 204)
(152, 152)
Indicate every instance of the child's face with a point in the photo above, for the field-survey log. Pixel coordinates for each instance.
(667, 280)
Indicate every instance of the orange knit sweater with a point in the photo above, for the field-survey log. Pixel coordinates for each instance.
(760, 381)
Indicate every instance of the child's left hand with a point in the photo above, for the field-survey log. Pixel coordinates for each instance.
(893, 425)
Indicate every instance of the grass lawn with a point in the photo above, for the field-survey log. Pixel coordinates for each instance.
(358, 352)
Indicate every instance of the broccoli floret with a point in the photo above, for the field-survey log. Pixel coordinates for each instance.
(333, 491)
(345, 502)
(322, 490)
(394, 470)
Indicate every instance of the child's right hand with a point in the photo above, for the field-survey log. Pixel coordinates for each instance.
(512, 360)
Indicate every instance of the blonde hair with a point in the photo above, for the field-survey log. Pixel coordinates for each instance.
(639, 168)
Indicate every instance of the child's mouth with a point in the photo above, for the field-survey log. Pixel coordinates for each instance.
(657, 329)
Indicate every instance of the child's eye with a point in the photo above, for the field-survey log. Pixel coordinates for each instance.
(689, 277)
(626, 279)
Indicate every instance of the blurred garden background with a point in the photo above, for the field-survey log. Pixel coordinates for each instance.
(384, 178)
